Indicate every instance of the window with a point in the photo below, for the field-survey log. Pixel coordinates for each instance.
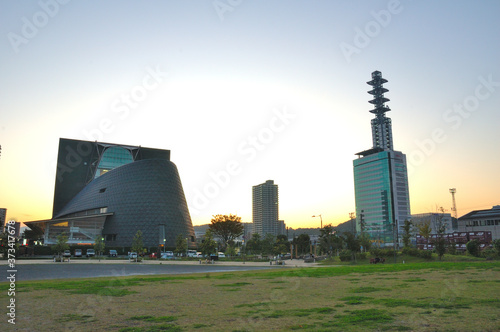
(112, 158)
(110, 237)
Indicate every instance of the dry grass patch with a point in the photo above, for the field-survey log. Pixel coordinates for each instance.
(314, 299)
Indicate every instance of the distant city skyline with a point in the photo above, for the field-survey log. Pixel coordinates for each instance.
(261, 90)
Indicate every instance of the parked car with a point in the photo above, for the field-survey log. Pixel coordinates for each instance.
(78, 252)
(67, 253)
(221, 255)
(90, 253)
(132, 255)
(167, 255)
(113, 253)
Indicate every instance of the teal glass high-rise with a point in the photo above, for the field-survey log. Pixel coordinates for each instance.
(381, 177)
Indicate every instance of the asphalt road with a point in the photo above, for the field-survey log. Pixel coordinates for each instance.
(69, 270)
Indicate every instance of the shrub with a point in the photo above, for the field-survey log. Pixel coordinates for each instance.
(426, 254)
(496, 245)
(378, 252)
(473, 248)
(410, 251)
(452, 250)
(489, 253)
(345, 255)
(361, 255)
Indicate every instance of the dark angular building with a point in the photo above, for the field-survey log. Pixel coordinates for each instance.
(113, 191)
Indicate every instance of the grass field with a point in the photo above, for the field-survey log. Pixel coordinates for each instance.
(433, 296)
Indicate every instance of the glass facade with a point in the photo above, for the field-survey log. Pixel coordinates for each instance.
(112, 158)
(83, 230)
(381, 191)
(381, 177)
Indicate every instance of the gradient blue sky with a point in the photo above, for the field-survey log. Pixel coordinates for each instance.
(226, 77)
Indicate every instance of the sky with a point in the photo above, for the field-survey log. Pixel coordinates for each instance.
(245, 91)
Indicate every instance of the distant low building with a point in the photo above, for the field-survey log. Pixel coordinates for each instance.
(434, 219)
(481, 220)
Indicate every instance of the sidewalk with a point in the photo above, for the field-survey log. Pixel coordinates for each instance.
(288, 263)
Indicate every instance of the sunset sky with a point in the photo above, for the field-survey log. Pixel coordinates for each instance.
(244, 91)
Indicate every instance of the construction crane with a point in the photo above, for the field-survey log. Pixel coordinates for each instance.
(454, 207)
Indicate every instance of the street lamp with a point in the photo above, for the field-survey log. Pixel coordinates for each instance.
(320, 218)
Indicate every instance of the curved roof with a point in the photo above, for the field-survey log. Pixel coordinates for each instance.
(144, 195)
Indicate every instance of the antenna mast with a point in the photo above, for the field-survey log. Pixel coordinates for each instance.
(454, 208)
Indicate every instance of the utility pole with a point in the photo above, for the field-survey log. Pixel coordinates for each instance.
(352, 216)
(395, 238)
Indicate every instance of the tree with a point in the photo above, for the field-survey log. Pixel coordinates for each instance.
(352, 243)
(137, 244)
(208, 245)
(303, 243)
(226, 228)
(230, 251)
(61, 244)
(254, 245)
(425, 229)
(4, 243)
(267, 244)
(440, 225)
(407, 233)
(180, 245)
(326, 239)
(99, 245)
(365, 241)
(281, 246)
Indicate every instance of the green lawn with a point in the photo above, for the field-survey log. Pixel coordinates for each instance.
(422, 296)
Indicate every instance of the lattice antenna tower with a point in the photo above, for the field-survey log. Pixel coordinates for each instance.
(381, 125)
(454, 207)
